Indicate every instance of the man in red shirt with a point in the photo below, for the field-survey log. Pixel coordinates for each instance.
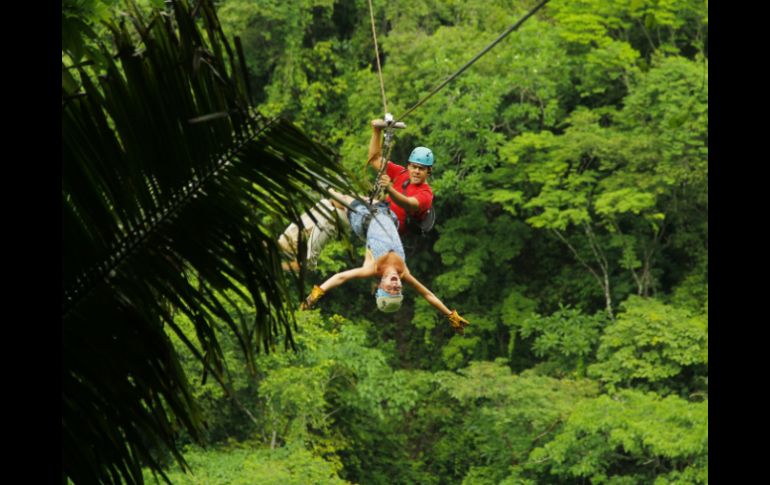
(407, 189)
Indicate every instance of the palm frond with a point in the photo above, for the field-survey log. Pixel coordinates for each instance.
(171, 191)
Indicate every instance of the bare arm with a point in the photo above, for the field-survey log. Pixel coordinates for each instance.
(341, 277)
(375, 148)
(427, 294)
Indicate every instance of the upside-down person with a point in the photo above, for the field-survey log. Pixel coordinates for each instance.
(410, 202)
(385, 260)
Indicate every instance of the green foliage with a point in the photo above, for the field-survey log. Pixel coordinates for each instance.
(568, 338)
(296, 55)
(692, 293)
(671, 104)
(631, 437)
(653, 346)
(648, 26)
(80, 21)
(245, 465)
(609, 184)
(571, 174)
(504, 415)
(463, 245)
(168, 181)
(458, 351)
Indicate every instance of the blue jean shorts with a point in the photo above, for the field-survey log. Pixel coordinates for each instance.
(358, 212)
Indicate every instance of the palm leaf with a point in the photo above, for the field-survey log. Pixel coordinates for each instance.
(172, 189)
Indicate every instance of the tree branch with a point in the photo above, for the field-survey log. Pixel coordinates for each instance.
(577, 256)
(603, 265)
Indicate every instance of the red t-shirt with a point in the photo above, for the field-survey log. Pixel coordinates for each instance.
(421, 192)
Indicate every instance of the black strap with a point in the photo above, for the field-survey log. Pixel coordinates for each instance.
(373, 210)
(415, 225)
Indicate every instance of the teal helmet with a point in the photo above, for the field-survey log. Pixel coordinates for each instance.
(422, 156)
(388, 303)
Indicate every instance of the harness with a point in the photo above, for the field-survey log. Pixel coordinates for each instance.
(375, 209)
(415, 225)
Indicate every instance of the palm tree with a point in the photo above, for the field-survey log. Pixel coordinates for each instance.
(172, 190)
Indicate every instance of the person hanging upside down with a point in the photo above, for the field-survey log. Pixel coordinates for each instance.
(413, 195)
(385, 260)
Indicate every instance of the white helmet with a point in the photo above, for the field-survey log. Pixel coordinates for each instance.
(386, 302)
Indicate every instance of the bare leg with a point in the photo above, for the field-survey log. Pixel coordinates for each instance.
(329, 217)
(343, 197)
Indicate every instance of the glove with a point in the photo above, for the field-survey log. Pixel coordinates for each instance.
(311, 300)
(457, 322)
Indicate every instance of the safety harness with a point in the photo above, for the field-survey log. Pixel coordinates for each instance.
(419, 225)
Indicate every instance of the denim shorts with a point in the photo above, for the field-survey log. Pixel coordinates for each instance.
(358, 212)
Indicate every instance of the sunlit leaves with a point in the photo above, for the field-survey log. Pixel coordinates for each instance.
(632, 436)
(505, 415)
(568, 337)
(650, 346)
(242, 464)
(624, 200)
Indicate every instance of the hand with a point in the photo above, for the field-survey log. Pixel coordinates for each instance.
(457, 322)
(315, 294)
(384, 182)
(378, 123)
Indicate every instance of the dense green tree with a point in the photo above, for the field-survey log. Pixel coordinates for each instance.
(571, 185)
(567, 338)
(654, 346)
(241, 464)
(333, 397)
(607, 192)
(632, 437)
(502, 417)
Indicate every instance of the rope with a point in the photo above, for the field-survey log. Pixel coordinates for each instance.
(377, 54)
(476, 58)
(376, 191)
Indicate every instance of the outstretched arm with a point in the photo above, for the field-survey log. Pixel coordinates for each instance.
(427, 294)
(457, 322)
(335, 281)
(343, 276)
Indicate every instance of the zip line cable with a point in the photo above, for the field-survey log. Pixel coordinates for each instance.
(391, 122)
(476, 58)
(377, 57)
(376, 191)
